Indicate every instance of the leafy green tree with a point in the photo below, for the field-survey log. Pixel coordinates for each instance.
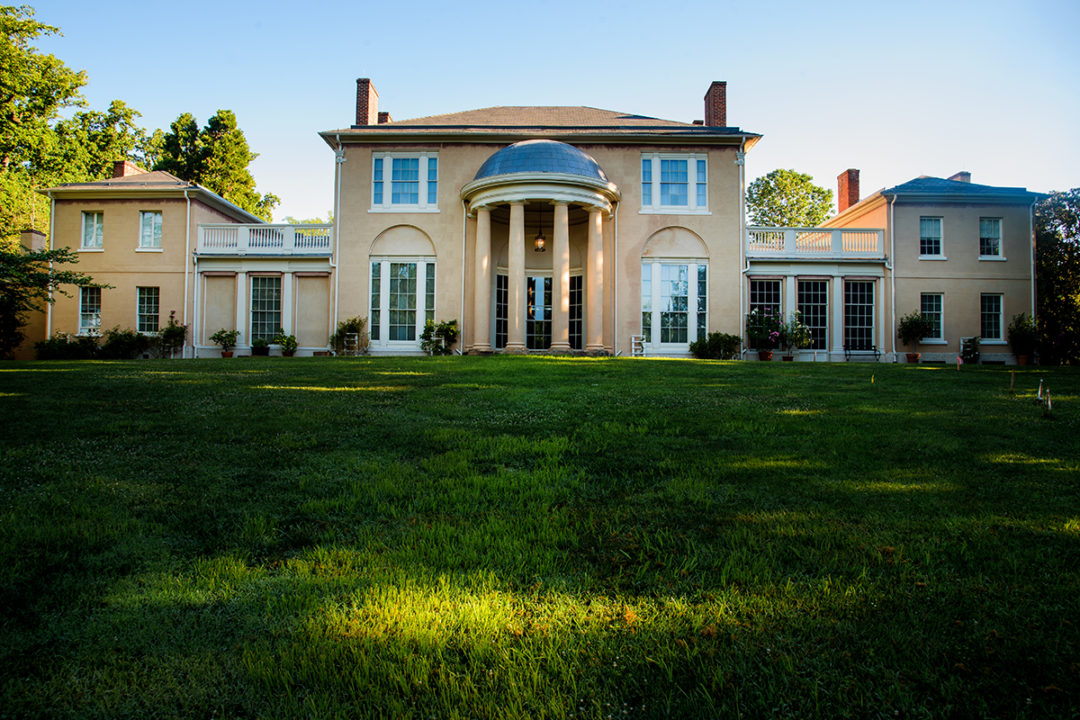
(787, 198)
(89, 143)
(217, 157)
(27, 279)
(1057, 277)
(34, 88)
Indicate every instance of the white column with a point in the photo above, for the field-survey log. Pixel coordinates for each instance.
(594, 289)
(482, 283)
(288, 303)
(515, 319)
(790, 296)
(242, 320)
(837, 345)
(560, 280)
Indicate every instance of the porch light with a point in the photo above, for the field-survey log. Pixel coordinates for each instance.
(539, 242)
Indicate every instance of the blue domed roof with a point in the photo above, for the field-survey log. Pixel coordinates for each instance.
(541, 156)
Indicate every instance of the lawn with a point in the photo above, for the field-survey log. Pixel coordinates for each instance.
(537, 537)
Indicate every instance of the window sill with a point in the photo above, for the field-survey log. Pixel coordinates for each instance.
(91, 250)
(404, 209)
(933, 341)
(991, 258)
(149, 250)
(674, 211)
(933, 257)
(985, 341)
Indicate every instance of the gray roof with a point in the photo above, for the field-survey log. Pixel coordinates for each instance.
(541, 156)
(956, 189)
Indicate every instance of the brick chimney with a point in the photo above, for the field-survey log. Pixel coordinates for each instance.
(367, 102)
(384, 118)
(962, 176)
(716, 105)
(847, 185)
(32, 240)
(126, 168)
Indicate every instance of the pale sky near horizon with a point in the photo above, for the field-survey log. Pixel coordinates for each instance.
(897, 90)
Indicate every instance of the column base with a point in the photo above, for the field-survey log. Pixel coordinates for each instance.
(562, 348)
(479, 350)
(514, 349)
(596, 350)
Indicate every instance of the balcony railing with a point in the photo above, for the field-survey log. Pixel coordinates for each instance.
(226, 239)
(779, 243)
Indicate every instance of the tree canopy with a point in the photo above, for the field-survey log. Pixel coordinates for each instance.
(216, 157)
(1057, 273)
(27, 279)
(789, 199)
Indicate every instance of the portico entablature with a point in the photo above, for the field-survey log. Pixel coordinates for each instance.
(570, 189)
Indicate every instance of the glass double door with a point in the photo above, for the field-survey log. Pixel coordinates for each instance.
(538, 312)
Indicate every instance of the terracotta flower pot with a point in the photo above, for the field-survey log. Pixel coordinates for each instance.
(787, 358)
(764, 354)
(1023, 359)
(913, 358)
(226, 353)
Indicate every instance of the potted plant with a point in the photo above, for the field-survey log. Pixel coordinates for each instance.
(439, 339)
(227, 340)
(913, 328)
(795, 336)
(287, 343)
(260, 346)
(763, 330)
(1023, 336)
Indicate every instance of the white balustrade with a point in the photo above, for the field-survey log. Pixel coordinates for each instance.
(229, 239)
(817, 243)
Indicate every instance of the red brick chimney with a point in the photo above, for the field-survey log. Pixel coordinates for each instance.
(962, 176)
(847, 185)
(716, 105)
(126, 168)
(367, 102)
(384, 118)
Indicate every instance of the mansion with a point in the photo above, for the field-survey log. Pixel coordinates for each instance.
(546, 229)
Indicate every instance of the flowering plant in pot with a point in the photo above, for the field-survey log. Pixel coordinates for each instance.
(795, 336)
(913, 327)
(226, 339)
(764, 329)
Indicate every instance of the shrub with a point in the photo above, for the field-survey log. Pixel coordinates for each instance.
(717, 346)
(1023, 334)
(913, 327)
(172, 336)
(66, 347)
(354, 325)
(225, 338)
(440, 338)
(763, 329)
(287, 342)
(124, 344)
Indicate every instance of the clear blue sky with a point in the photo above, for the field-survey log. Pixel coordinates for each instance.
(895, 89)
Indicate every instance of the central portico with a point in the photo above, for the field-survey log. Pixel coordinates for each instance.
(527, 296)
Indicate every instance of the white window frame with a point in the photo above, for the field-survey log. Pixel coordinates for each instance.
(92, 329)
(692, 181)
(692, 265)
(156, 218)
(941, 238)
(1000, 339)
(252, 309)
(98, 219)
(940, 339)
(421, 309)
(139, 308)
(1000, 256)
(387, 204)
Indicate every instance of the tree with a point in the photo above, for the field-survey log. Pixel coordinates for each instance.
(27, 280)
(35, 87)
(216, 157)
(1057, 277)
(787, 198)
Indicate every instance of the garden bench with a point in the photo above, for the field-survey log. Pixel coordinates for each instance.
(861, 352)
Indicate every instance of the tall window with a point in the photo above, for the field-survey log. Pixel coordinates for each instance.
(674, 183)
(674, 303)
(405, 181)
(765, 296)
(147, 310)
(930, 307)
(93, 224)
(150, 230)
(402, 300)
(265, 307)
(538, 313)
(930, 237)
(576, 333)
(814, 306)
(990, 325)
(89, 310)
(990, 237)
(858, 314)
(502, 296)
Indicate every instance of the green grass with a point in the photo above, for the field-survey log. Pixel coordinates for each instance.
(534, 537)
